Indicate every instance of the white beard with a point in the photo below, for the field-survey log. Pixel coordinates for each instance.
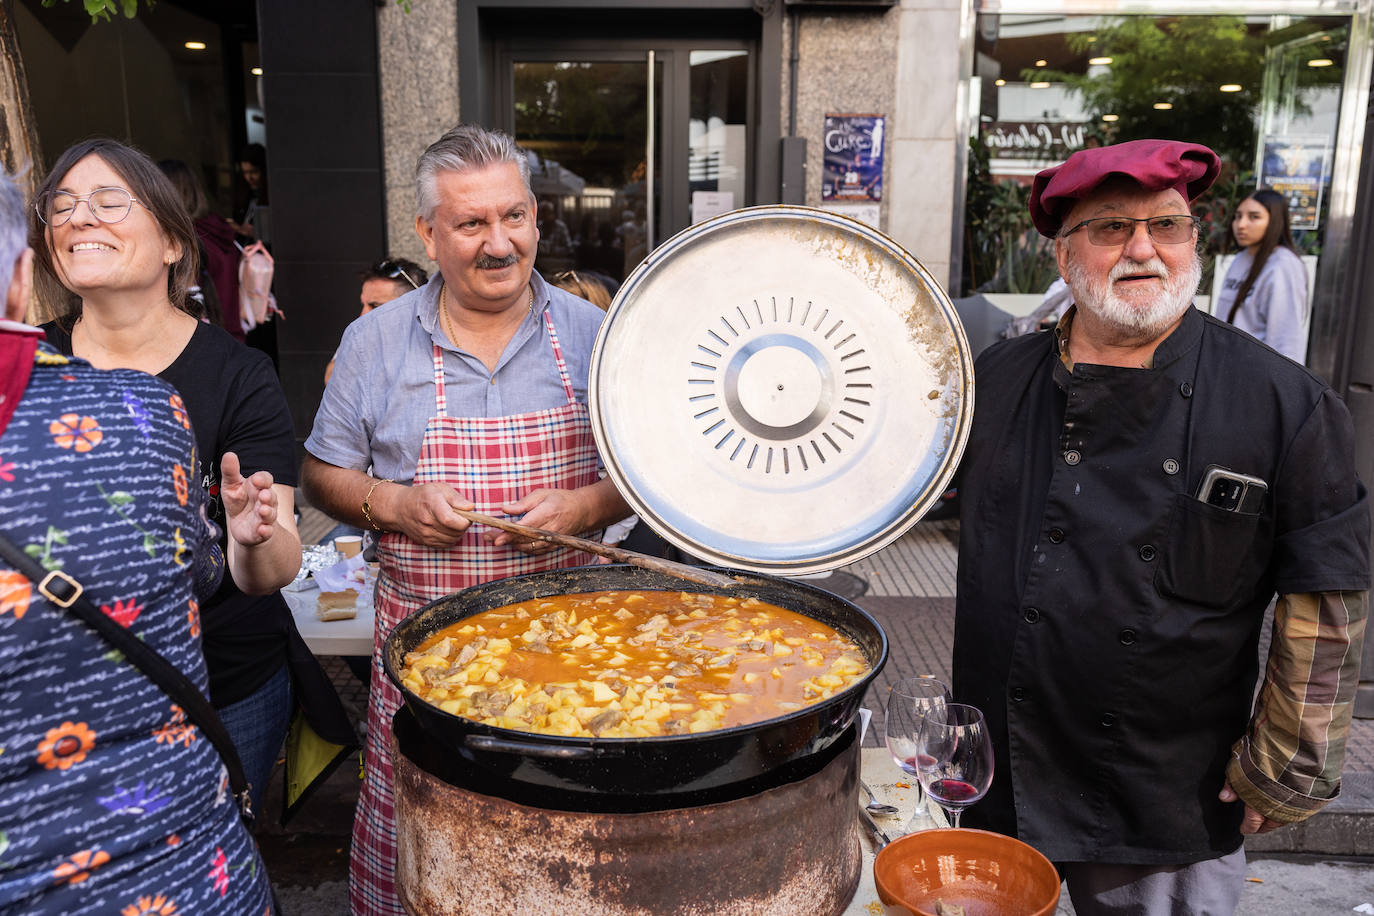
(1145, 315)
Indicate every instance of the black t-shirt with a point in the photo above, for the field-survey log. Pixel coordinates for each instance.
(235, 404)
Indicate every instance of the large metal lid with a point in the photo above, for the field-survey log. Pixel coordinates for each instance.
(781, 389)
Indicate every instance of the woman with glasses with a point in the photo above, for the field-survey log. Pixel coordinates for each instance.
(116, 250)
(1265, 290)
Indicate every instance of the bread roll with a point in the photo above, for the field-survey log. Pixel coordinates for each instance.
(337, 605)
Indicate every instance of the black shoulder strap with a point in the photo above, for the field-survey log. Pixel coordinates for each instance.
(65, 592)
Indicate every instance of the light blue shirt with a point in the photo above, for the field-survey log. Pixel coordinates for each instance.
(381, 394)
(1275, 309)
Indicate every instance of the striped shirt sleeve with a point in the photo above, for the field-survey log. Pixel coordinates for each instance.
(1288, 765)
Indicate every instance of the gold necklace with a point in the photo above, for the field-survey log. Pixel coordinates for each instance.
(443, 310)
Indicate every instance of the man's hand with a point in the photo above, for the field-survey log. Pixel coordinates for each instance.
(559, 511)
(424, 513)
(1253, 822)
(250, 503)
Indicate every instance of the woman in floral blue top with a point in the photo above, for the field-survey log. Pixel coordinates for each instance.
(110, 800)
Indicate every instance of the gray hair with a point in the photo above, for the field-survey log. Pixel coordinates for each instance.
(14, 229)
(462, 149)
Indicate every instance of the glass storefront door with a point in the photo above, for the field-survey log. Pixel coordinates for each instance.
(631, 143)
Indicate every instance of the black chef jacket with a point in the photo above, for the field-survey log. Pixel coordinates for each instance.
(1108, 620)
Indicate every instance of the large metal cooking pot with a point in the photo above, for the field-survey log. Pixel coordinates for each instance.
(673, 766)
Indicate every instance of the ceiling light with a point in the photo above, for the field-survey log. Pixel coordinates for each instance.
(1163, 106)
(1040, 85)
(195, 46)
(256, 71)
(1000, 83)
(1110, 117)
(1231, 87)
(1099, 61)
(1320, 62)
(1042, 62)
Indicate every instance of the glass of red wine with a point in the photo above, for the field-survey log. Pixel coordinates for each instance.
(955, 754)
(908, 702)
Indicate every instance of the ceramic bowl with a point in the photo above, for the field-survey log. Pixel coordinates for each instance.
(985, 873)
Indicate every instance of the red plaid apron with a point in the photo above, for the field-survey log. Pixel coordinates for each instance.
(492, 461)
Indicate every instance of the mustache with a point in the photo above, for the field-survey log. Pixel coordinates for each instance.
(487, 262)
(1126, 268)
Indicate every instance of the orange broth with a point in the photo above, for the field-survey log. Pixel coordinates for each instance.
(632, 664)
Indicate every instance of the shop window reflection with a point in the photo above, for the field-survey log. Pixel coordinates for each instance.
(1244, 85)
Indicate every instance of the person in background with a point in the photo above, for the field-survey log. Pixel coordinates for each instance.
(554, 239)
(1265, 290)
(470, 392)
(252, 222)
(251, 198)
(219, 256)
(110, 802)
(585, 285)
(1137, 485)
(382, 282)
(110, 230)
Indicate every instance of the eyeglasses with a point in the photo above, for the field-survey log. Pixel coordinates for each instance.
(565, 276)
(1113, 231)
(108, 205)
(392, 270)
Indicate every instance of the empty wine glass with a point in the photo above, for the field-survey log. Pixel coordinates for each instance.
(955, 755)
(908, 702)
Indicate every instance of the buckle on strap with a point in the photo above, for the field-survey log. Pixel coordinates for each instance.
(64, 592)
(245, 804)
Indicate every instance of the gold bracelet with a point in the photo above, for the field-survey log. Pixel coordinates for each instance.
(367, 502)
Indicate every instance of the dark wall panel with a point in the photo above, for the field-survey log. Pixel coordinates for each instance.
(321, 101)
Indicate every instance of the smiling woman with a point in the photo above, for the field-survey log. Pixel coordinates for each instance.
(114, 240)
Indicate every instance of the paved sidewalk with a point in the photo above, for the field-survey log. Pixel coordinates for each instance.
(909, 588)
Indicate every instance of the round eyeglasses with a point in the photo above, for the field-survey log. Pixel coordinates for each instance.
(1113, 231)
(108, 205)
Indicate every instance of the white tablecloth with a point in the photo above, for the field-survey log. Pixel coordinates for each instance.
(333, 637)
(877, 768)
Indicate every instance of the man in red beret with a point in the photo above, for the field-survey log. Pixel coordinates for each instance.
(1138, 485)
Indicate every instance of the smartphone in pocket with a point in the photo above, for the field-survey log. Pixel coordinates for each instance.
(1232, 490)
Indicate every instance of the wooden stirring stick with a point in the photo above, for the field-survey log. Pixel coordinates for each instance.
(680, 570)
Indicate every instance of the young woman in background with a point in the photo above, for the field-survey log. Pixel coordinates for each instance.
(1265, 291)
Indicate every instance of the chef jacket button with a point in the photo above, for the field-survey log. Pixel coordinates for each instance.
(1072, 457)
(1108, 719)
(1186, 389)
(1127, 636)
(1056, 535)
(1147, 553)
(1031, 615)
(1018, 694)
(1170, 466)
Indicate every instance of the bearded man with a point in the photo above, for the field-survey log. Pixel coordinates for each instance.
(1139, 483)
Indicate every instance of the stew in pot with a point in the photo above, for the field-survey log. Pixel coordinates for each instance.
(627, 664)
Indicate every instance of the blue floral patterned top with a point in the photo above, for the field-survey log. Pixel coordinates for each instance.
(110, 800)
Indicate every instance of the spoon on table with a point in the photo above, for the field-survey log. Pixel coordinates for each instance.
(875, 806)
(620, 555)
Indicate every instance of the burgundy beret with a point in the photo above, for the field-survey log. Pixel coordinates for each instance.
(1189, 168)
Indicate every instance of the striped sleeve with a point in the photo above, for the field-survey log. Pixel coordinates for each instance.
(1288, 765)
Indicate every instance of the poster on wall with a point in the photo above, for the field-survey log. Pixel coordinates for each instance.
(1298, 168)
(852, 158)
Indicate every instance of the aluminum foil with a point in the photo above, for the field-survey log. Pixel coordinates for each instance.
(314, 557)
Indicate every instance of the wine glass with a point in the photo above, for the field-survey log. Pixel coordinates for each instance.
(908, 702)
(955, 755)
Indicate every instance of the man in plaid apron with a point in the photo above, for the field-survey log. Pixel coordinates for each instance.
(468, 393)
